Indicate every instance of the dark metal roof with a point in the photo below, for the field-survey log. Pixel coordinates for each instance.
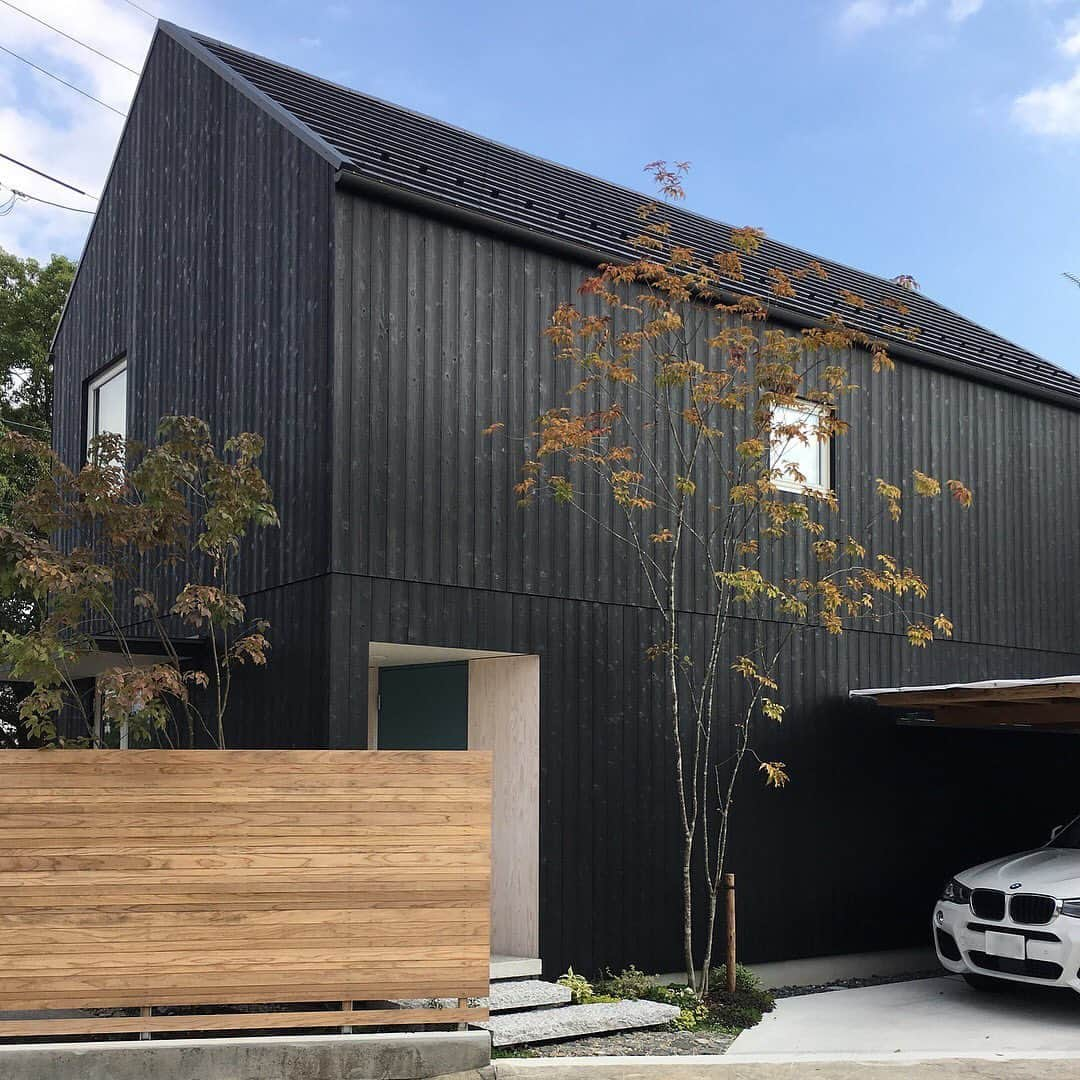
(393, 146)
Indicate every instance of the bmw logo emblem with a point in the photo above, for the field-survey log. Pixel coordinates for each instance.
(1017, 885)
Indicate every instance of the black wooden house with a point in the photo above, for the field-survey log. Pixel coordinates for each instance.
(368, 288)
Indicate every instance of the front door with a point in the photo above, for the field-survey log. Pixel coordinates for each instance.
(424, 707)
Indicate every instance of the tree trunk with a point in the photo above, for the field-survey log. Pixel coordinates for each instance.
(710, 933)
(688, 909)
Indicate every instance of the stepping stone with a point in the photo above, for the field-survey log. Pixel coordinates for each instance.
(527, 994)
(572, 1021)
(505, 997)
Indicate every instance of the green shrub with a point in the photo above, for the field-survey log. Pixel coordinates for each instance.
(745, 979)
(740, 1010)
(630, 984)
(580, 988)
(693, 1012)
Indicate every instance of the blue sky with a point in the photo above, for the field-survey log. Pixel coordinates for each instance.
(937, 138)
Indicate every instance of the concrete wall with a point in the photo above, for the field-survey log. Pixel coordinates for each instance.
(399, 1056)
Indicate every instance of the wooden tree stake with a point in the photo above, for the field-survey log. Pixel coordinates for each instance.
(729, 887)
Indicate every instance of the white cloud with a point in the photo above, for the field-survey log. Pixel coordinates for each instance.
(1054, 109)
(860, 16)
(1051, 110)
(53, 128)
(310, 42)
(1070, 43)
(959, 10)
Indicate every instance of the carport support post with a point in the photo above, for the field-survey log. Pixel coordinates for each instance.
(729, 888)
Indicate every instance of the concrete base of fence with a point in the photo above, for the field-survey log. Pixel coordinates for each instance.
(397, 1056)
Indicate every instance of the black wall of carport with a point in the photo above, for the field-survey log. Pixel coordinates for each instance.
(877, 817)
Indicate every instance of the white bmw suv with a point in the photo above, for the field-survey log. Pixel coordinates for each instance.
(1016, 918)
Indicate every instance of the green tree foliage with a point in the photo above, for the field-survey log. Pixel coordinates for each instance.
(140, 542)
(31, 299)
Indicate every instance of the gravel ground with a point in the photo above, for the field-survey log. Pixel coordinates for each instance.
(853, 984)
(633, 1044)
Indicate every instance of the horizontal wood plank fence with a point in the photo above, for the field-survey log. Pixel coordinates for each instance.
(148, 879)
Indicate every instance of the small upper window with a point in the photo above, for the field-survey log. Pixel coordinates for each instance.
(798, 449)
(106, 403)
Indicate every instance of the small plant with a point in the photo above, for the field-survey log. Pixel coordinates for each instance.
(745, 1007)
(740, 1010)
(693, 1012)
(630, 984)
(745, 979)
(581, 991)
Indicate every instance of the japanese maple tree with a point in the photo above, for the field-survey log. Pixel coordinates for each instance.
(676, 438)
(141, 541)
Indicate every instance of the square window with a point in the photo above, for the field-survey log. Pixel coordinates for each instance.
(106, 403)
(797, 448)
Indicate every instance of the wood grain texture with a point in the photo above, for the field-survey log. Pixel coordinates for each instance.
(118, 1025)
(154, 878)
(504, 717)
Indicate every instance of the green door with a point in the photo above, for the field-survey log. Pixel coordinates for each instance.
(424, 707)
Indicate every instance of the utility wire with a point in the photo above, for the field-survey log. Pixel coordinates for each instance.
(57, 30)
(26, 427)
(63, 82)
(30, 168)
(149, 14)
(59, 206)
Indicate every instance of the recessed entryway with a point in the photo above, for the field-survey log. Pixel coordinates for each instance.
(431, 698)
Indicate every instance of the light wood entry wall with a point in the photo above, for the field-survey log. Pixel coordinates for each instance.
(150, 878)
(504, 718)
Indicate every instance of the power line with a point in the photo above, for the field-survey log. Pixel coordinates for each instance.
(148, 14)
(63, 82)
(59, 206)
(26, 427)
(57, 30)
(30, 168)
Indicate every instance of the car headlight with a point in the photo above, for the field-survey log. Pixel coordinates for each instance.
(1071, 907)
(955, 893)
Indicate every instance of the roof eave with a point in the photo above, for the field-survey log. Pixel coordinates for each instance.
(350, 178)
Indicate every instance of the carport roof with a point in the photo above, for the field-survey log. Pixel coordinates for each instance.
(1031, 704)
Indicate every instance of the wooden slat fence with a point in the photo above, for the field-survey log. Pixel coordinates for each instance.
(143, 879)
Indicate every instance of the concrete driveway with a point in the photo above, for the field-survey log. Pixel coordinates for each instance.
(718, 1068)
(929, 1017)
(930, 1029)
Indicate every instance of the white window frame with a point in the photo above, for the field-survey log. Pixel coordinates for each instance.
(117, 367)
(812, 410)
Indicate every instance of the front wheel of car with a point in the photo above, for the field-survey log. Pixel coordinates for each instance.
(984, 983)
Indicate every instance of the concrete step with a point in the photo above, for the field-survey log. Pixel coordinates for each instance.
(516, 996)
(526, 994)
(573, 1021)
(515, 967)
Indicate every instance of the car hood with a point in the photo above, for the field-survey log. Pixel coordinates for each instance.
(1055, 871)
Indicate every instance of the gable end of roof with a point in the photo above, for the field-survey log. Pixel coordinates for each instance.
(197, 46)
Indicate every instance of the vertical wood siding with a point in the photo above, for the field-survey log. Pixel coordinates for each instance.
(439, 333)
(876, 816)
(209, 266)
